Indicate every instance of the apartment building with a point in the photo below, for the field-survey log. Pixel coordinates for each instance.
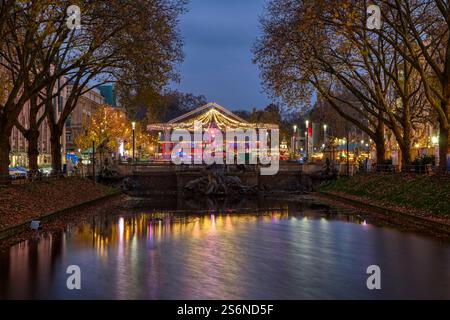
(78, 121)
(80, 117)
(19, 145)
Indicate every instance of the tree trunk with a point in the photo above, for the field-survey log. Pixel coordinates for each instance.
(56, 152)
(5, 148)
(444, 147)
(33, 150)
(405, 148)
(381, 151)
(379, 143)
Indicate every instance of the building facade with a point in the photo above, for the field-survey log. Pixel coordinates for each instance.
(19, 145)
(80, 117)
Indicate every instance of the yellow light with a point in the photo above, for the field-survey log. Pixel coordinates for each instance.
(435, 140)
(133, 125)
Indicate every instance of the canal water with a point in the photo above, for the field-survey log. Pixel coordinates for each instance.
(281, 250)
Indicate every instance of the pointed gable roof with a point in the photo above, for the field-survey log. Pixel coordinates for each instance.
(203, 109)
(208, 114)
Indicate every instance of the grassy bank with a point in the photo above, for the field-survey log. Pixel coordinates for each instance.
(416, 193)
(20, 203)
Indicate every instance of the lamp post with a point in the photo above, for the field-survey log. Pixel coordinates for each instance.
(325, 134)
(93, 161)
(133, 125)
(294, 140)
(306, 143)
(307, 138)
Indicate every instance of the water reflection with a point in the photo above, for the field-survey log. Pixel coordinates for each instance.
(285, 251)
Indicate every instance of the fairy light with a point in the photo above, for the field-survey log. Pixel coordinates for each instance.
(221, 120)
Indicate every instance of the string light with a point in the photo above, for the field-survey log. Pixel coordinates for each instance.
(221, 120)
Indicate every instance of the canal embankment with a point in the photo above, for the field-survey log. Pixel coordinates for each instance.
(423, 198)
(43, 200)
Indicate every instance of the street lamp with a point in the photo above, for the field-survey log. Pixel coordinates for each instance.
(306, 143)
(294, 140)
(325, 133)
(434, 140)
(133, 125)
(306, 138)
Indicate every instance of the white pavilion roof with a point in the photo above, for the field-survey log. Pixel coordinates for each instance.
(207, 115)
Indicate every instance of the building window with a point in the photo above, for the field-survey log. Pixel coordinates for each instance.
(68, 137)
(69, 120)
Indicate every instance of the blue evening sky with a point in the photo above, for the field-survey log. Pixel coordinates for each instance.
(218, 36)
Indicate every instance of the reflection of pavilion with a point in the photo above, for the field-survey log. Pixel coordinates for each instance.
(212, 118)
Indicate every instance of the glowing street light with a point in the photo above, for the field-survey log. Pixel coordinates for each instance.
(133, 126)
(294, 139)
(306, 143)
(306, 137)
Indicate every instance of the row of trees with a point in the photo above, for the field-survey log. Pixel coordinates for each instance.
(396, 77)
(43, 52)
(108, 127)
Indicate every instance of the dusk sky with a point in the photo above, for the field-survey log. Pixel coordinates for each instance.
(218, 37)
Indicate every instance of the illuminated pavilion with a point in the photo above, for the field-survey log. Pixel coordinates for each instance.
(212, 117)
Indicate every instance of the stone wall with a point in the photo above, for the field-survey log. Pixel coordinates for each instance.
(154, 183)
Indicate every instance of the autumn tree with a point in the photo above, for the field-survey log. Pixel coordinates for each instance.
(324, 47)
(107, 127)
(301, 53)
(172, 104)
(24, 28)
(130, 43)
(337, 126)
(119, 41)
(419, 32)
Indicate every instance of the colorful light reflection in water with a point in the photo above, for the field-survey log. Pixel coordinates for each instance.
(283, 253)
